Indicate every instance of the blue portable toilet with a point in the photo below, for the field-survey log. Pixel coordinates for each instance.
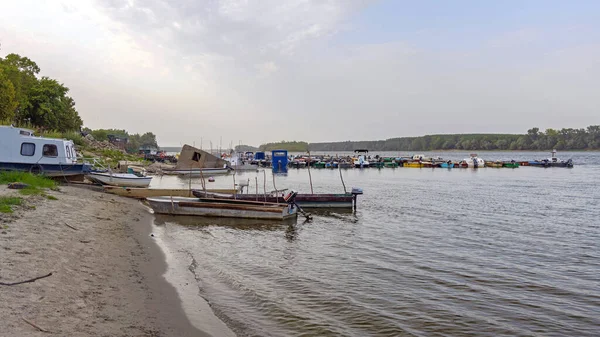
(259, 156)
(280, 161)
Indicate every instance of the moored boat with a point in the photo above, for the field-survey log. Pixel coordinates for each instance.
(510, 164)
(227, 208)
(413, 164)
(142, 193)
(496, 164)
(197, 172)
(344, 200)
(120, 179)
(474, 161)
(552, 162)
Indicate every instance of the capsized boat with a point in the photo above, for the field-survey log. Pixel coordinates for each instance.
(226, 208)
(120, 179)
(197, 172)
(343, 200)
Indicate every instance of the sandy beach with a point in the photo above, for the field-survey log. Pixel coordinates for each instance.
(107, 273)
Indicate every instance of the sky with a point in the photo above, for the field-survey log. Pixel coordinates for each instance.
(255, 71)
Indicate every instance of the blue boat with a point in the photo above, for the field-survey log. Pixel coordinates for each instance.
(21, 150)
(447, 165)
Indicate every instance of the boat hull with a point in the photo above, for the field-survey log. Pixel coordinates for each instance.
(303, 200)
(143, 193)
(120, 180)
(49, 170)
(221, 208)
(197, 172)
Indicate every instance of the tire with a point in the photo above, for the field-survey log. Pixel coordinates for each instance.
(36, 169)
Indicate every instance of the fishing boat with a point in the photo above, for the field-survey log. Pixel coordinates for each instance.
(390, 164)
(120, 179)
(361, 160)
(496, 164)
(344, 200)
(21, 150)
(447, 164)
(143, 193)
(510, 164)
(552, 162)
(413, 164)
(226, 208)
(197, 172)
(474, 161)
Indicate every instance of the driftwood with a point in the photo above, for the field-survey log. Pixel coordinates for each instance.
(73, 228)
(33, 325)
(26, 281)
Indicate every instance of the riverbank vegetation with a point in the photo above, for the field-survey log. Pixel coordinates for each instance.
(33, 184)
(534, 139)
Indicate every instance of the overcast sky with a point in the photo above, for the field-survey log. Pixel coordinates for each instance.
(315, 70)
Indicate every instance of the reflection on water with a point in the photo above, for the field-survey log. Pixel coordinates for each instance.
(428, 252)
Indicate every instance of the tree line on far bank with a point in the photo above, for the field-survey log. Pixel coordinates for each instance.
(534, 139)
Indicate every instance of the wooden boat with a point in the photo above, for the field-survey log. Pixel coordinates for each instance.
(119, 179)
(143, 193)
(347, 200)
(510, 164)
(226, 208)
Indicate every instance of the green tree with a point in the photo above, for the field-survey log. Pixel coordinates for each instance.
(8, 102)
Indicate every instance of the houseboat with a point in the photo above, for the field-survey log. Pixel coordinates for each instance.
(21, 150)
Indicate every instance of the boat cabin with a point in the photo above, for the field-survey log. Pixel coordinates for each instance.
(21, 146)
(280, 161)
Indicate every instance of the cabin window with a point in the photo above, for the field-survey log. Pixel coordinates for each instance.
(279, 154)
(27, 149)
(50, 150)
(68, 148)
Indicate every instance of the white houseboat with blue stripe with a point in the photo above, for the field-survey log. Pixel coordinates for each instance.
(22, 151)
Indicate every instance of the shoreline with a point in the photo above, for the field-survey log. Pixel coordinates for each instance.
(109, 276)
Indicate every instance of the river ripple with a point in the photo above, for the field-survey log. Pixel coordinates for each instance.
(457, 252)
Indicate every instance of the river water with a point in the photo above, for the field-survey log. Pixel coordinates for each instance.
(452, 252)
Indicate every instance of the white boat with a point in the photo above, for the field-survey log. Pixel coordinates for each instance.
(237, 163)
(21, 150)
(361, 160)
(475, 162)
(120, 179)
(197, 172)
(225, 208)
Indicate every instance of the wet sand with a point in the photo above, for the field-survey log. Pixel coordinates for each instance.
(107, 271)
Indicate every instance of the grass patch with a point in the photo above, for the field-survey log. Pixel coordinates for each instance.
(6, 203)
(51, 197)
(36, 183)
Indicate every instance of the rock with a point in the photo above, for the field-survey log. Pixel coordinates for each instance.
(89, 137)
(17, 186)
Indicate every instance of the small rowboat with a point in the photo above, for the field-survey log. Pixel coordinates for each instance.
(119, 179)
(143, 193)
(510, 164)
(347, 200)
(225, 208)
(196, 172)
(496, 164)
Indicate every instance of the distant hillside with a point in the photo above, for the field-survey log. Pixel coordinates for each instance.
(245, 148)
(290, 146)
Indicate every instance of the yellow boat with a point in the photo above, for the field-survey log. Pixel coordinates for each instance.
(142, 193)
(413, 164)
